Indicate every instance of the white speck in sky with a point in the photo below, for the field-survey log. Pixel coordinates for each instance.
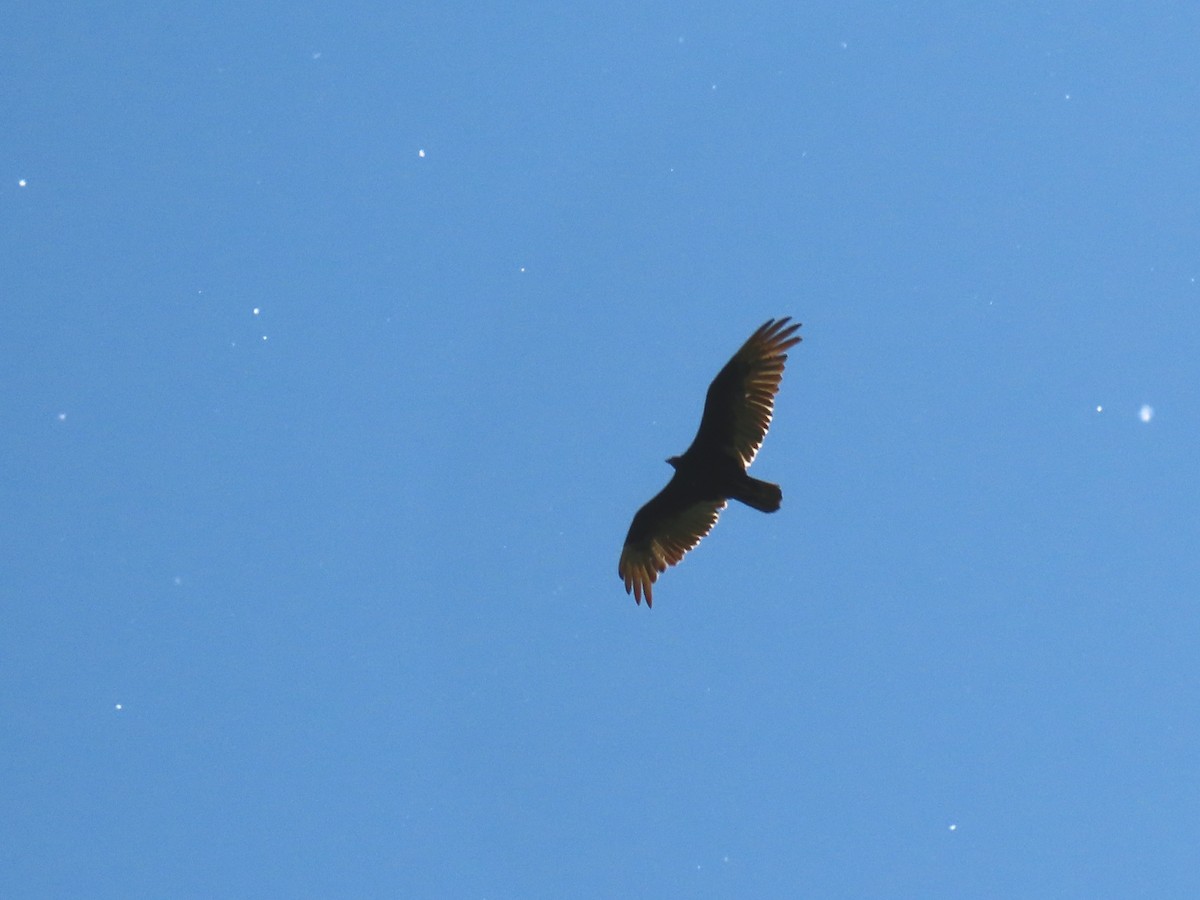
(257, 310)
(421, 153)
(1066, 96)
(316, 54)
(522, 268)
(264, 337)
(119, 707)
(1146, 413)
(954, 827)
(1099, 408)
(844, 45)
(62, 417)
(21, 182)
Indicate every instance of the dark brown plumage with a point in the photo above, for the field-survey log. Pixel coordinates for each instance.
(737, 414)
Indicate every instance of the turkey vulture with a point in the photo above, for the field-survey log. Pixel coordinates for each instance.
(737, 413)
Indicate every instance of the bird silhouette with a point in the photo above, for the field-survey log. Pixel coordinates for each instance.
(712, 471)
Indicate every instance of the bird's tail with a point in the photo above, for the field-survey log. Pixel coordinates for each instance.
(762, 495)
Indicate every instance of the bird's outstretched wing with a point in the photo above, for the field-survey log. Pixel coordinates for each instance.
(741, 399)
(663, 530)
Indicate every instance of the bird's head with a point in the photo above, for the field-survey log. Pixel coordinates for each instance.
(674, 462)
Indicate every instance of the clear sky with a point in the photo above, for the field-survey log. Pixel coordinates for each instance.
(339, 343)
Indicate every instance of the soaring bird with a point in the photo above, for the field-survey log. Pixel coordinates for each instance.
(712, 471)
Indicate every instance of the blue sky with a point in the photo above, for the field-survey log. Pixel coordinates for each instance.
(340, 343)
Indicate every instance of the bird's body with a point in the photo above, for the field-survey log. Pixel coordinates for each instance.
(712, 471)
